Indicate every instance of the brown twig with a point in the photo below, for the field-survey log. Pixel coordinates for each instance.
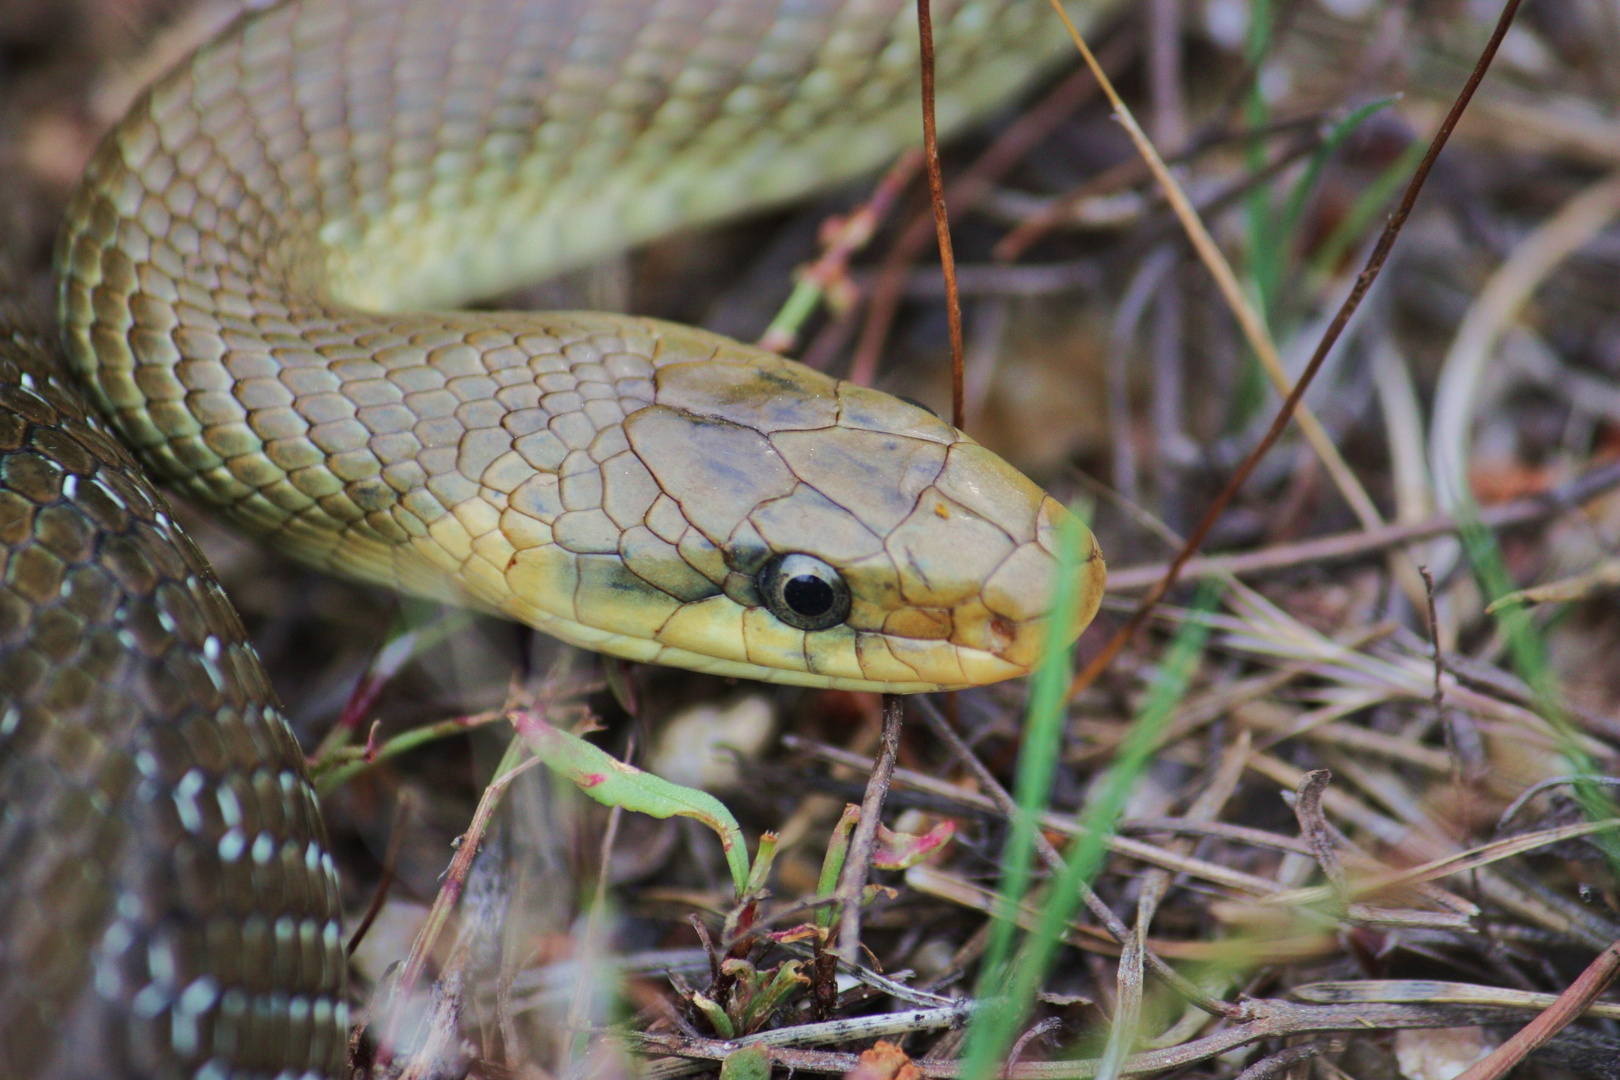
(858, 863)
(942, 216)
(1265, 1019)
(1570, 1004)
(1268, 1067)
(1375, 263)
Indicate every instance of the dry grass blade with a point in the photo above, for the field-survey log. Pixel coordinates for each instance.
(1498, 304)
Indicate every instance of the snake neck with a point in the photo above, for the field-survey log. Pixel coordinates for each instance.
(384, 156)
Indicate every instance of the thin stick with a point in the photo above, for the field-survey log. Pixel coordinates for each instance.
(1009, 148)
(858, 864)
(942, 217)
(1570, 1004)
(1375, 263)
(390, 869)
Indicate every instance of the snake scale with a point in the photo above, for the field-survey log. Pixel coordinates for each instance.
(234, 276)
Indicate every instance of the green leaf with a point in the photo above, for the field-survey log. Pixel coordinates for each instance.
(749, 1063)
(745, 989)
(901, 851)
(764, 856)
(832, 864)
(715, 1014)
(613, 783)
(784, 983)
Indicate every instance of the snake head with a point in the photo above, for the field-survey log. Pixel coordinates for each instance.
(804, 530)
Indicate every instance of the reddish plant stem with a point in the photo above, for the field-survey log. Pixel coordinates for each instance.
(942, 216)
(1008, 149)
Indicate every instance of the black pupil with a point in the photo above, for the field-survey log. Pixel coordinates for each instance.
(808, 595)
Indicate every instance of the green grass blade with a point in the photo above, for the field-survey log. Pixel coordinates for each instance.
(1364, 210)
(1038, 758)
(1529, 654)
(1008, 991)
(1294, 209)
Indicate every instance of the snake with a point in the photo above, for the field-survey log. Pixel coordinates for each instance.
(260, 290)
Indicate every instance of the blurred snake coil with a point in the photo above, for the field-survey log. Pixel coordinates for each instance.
(257, 280)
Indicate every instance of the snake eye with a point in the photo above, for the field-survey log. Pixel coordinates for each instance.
(803, 592)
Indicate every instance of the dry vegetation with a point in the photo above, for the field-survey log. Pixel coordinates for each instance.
(1400, 918)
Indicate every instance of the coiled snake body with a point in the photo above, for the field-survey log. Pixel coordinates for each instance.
(167, 907)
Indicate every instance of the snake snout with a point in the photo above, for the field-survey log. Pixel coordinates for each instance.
(1020, 594)
(980, 565)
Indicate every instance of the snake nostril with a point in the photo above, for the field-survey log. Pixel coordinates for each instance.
(1002, 632)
